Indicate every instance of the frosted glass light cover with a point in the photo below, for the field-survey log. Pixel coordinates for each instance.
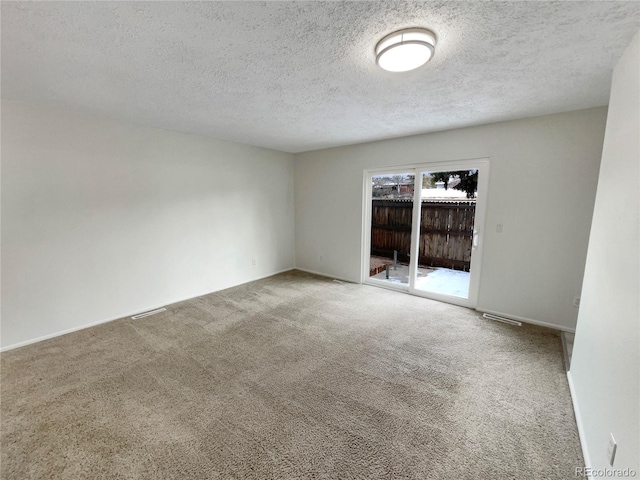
(405, 50)
(404, 57)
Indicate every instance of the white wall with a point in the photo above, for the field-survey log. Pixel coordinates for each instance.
(102, 219)
(542, 188)
(605, 367)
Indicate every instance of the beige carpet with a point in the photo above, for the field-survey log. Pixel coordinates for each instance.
(292, 377)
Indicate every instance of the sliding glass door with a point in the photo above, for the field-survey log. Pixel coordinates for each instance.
(392, 199)
(423, 229)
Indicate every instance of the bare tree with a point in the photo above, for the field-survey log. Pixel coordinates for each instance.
(398, 179)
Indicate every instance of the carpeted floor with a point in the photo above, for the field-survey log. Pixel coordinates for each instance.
(294, 376)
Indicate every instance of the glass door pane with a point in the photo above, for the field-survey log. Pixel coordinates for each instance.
(391, 226)
(445, 244)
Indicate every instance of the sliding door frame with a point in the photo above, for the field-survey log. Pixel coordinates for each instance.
(366, 230)
(482, 164)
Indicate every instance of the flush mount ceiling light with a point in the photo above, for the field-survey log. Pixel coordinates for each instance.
(405, 50)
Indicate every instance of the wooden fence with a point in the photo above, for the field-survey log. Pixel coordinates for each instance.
(446, 231)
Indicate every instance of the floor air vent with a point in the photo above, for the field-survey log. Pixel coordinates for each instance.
(150, 312)
(489, 316)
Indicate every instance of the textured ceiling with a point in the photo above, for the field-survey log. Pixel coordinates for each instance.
(299, 76)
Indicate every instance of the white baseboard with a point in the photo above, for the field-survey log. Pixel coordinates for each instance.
(324, 275)
(528, 320)
(130, 314)
(565, 351)
(576, 411)
(60, 333)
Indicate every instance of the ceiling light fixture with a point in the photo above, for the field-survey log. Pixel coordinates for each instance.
(405, 50)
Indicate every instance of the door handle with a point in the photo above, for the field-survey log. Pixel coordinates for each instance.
(475, 238)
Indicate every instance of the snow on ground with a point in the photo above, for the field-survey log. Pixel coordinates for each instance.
(435, 280)
(445, 280)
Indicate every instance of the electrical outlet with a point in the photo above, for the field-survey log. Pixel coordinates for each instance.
(576, 302)
(499, 228)
(253, 261)
(611, 449)
(320, 257)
